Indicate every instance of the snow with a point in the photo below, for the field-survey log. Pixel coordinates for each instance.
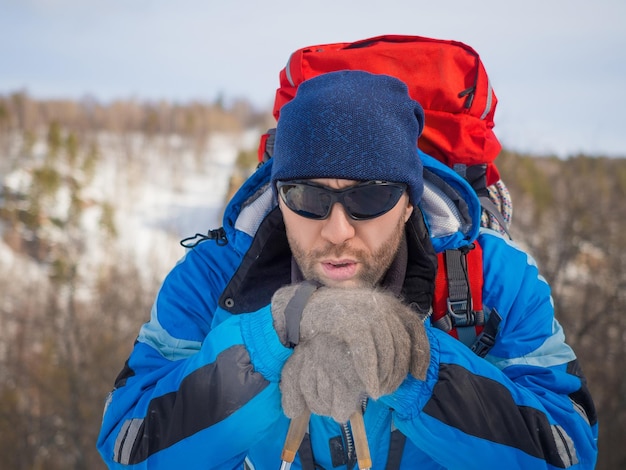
(162, 189)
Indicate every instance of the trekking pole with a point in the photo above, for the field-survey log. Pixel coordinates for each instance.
(295, 434)
(360, 441)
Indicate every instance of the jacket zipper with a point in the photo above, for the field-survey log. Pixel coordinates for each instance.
(349, 438)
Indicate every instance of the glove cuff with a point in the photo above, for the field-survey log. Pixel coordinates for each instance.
(267, 353)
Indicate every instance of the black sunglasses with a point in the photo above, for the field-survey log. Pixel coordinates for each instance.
(361, 202)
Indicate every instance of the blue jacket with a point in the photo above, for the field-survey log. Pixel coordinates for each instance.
(201, 387)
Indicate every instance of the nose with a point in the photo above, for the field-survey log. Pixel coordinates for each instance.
(338, 226)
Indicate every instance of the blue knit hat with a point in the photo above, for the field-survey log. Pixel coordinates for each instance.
(350, 125)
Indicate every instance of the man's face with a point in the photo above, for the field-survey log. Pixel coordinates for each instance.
(341, 252)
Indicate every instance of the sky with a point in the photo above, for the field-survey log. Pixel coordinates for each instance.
(558, 67)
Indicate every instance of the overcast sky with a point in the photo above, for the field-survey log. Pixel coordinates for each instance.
(558, 67)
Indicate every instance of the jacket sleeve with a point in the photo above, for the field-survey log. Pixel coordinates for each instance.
(525, 405)
(196, 377)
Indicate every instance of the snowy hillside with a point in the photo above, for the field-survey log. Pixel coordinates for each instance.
(161, 189)
(175, 198)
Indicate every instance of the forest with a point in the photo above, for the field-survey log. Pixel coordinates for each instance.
(74, 292)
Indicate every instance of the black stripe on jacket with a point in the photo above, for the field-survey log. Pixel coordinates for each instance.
(201, 401)
(485, 408)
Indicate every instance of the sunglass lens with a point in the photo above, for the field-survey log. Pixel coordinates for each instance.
(307, 201)
(368, 202)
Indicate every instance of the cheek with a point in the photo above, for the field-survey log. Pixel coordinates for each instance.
(300, 230)
(383, 229)
(374, 237)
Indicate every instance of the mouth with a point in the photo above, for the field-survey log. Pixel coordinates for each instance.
(339, 270)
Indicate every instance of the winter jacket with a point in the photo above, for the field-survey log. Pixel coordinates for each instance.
(201, 390)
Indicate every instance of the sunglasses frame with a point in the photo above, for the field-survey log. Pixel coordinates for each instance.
(338, 195)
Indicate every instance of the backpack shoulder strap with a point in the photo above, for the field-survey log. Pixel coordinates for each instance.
(396, 449)
(492, 211)
(457, 301)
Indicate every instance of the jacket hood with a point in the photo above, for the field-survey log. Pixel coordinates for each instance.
(450, 206)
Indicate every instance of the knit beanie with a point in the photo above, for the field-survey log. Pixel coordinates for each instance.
(350, 125)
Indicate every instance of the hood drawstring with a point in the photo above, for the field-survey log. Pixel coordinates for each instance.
(218, 234)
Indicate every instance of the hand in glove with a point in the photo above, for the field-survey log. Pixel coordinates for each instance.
(320, 377)
(361, 340)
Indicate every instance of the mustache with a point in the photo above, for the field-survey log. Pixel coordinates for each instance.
(338, 251)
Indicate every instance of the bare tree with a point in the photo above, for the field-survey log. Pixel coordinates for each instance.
(571, 217)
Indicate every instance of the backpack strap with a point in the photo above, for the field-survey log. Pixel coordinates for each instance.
(487, 338)
(396, 448)
(457, 302)
(266, 145)
(492, 210)
(306, 453)
(476, 175)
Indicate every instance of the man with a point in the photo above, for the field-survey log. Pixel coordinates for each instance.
(315, 298)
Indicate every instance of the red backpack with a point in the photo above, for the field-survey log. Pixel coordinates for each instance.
(450, 82)
(446, 77)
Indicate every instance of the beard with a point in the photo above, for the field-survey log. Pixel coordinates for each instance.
(372, 265)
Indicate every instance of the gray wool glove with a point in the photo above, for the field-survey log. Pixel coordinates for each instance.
(310, 381)
(343, 331)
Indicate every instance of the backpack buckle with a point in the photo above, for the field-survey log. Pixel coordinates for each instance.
(461, 313)
(483, 344)
(487, 338)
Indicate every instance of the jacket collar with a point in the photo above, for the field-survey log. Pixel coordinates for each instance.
(268, 265)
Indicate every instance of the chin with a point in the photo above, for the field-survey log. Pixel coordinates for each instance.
(346, 283)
